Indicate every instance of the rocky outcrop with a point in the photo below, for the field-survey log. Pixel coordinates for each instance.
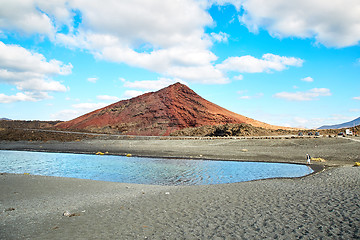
(232, 129)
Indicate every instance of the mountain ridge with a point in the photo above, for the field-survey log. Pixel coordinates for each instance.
(158, 113)
(352, 123)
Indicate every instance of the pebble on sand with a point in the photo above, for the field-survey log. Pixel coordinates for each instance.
(9, 209)
(68, 214)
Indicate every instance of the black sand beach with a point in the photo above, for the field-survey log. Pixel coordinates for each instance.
(324, 205)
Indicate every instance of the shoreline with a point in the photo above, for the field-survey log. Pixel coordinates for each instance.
(314, 166)
(336, 151)
(322, 205)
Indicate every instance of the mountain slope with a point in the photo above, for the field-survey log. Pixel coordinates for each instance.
(352, 123)
(158, 113)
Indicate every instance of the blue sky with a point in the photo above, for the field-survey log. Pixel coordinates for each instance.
(289, 63)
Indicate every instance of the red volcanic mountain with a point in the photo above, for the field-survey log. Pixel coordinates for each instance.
(158, 113)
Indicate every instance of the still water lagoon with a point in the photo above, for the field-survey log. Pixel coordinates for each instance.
(154, 171)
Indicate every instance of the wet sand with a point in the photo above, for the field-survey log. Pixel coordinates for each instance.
(324, 205)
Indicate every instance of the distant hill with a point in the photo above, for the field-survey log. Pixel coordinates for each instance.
(5, 119)
(352, 123)
(14, 124)
(158, 113)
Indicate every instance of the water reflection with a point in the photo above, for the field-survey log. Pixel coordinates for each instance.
(143, 170)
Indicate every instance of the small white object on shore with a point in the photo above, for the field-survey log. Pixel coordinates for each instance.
(66, 214)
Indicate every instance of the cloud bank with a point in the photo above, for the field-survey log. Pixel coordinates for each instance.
(30, 72)
(310, 95)
(333, 23)
(166, 37)
(250, 64)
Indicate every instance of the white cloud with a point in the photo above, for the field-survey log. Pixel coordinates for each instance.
(156, 35)
(166, 37)
(330, 120)
(152, 84)
(140, 23)
(132, 93)
(307, 79)
(313, 123)
(77, 110)
(356, 98)
(19, 97)
(307, 123)
(301, 121)
(17, 59)
(83, 108)
(23, 16)
(184, 62)
(310, 95)
(30, 72)
(206, 74)
(298, 122)
(41, 85)
(26, 96)
(244, 97)
(236, 3)
(250, 64)
(333, 23)
(220, 37)
(258, 95)
(93, 79)
(242, 92)
(108, 98)
(3, 35)
(137, 22)
(354, 110)
(142, 34)
(88, 106)
(65, 115)
(238, 77)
